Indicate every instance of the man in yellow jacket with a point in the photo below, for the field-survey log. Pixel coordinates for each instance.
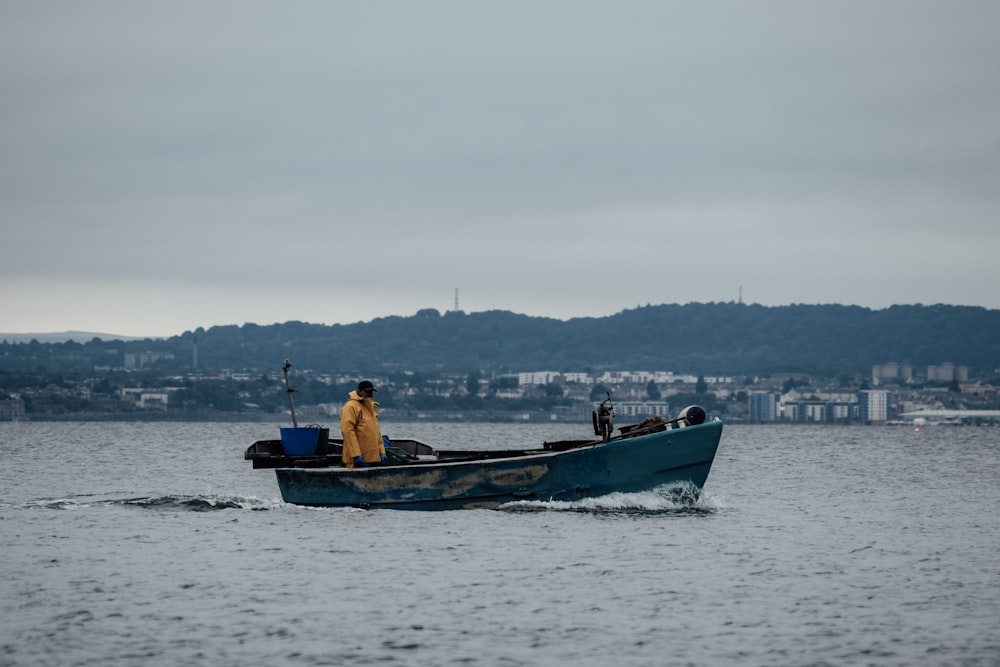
(359, 427)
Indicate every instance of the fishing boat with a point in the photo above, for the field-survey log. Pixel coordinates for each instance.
(670, 455)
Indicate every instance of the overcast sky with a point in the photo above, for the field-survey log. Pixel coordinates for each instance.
(172, 165)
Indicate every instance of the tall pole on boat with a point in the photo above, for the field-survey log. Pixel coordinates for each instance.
(289, 390)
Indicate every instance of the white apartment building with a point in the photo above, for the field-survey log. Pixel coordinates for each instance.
(873, 405)
(537, 378)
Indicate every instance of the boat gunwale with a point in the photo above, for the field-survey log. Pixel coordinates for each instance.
(473, 458)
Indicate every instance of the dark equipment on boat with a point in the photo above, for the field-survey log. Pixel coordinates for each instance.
(602, 416)
(692, 415)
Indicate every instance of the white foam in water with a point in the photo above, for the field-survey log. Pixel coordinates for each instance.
(199, 503)
(246, 502)
(662, 499)
(255, 503)
(322, 509)
(56, 503)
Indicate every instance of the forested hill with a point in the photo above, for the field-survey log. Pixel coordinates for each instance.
(714, 338)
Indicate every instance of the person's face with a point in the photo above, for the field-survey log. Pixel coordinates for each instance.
(367, 393)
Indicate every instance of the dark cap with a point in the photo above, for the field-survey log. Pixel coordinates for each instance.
(365, 385)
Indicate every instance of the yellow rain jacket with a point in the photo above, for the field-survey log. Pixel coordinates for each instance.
(360, 430)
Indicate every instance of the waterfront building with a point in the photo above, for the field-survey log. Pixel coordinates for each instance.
(873, 405)
(763, 406)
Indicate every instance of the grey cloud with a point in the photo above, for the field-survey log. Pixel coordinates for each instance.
(459, 140)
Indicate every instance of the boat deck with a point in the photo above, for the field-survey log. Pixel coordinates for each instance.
(271, 453)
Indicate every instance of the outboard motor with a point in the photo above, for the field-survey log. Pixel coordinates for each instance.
(692, 415)
(602, 419)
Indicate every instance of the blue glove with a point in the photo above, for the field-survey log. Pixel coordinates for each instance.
(359, 461)
(383, 458)
(386, 442)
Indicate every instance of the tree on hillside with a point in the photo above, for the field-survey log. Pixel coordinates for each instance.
(553, 390)
(723, 338)
(598, 393)
(653, 392)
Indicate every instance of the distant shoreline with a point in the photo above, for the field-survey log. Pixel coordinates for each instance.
(71, 336)
(235, 418)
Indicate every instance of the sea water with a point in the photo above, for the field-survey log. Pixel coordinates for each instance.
(157, 544)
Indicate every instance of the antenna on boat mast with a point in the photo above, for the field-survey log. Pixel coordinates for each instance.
(289, 390)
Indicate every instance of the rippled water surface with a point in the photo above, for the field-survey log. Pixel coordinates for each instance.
(157, 544)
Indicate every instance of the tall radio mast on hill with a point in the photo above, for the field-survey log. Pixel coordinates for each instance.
(456, 299)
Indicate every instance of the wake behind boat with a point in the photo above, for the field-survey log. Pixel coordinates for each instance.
(675, 454)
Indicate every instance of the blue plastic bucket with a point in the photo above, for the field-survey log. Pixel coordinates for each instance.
(300, 441)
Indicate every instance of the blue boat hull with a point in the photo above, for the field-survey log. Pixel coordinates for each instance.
(681, 458)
